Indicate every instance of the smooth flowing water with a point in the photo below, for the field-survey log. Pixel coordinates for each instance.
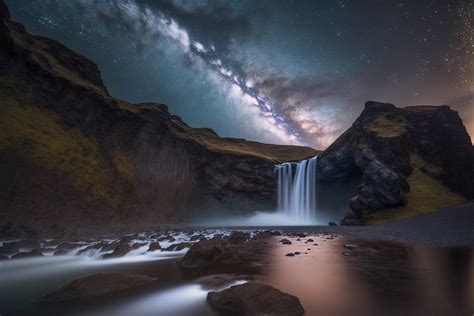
(330, 278)
(297, 190)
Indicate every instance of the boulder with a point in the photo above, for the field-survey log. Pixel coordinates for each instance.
(195, 237)
(255, 298)
(238, 237)
(285, 241)
(122, 249)
(154, 246)
(208, 253)
(263, 235)
(97, 284)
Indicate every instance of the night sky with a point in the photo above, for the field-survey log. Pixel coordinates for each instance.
(292, 72)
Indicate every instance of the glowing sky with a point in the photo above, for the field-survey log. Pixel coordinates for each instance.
(294, 72)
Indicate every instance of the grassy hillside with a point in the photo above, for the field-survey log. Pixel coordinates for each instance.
(426, 195)
(37, 135)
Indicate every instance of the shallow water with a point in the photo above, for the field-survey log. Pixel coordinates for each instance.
(373, 278)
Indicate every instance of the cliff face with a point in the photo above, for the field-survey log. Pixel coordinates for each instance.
(71, 154)
(412, 159)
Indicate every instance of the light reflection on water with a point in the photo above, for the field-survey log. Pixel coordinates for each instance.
(376, 278)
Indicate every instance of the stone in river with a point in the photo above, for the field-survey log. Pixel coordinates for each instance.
(207, 253)
(255, 298)
(154, 246)
(238, 237)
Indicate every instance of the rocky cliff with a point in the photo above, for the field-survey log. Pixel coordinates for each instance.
(72, 156)
(412, 160)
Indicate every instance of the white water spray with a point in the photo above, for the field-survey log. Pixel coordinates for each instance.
(297, 190)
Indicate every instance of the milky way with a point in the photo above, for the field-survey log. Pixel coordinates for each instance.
(281, 72)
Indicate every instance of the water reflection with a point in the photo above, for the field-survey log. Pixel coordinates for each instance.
(374, 278)
(332, 276)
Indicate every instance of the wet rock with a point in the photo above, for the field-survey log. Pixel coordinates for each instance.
(286, 242)
(207, 253)
(162, 238)
(154, 246)
(195, 237)
(297, 253)
(178, 247)
(290, 254)
(29, 254)
(310, 240)
(238, 237)
(8, 248)
(122, 249)
(276, 233)
(97, 284)
(263, 235)
(255, 298)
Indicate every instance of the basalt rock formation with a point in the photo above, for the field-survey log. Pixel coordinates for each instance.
(412, 159)
(73, 156)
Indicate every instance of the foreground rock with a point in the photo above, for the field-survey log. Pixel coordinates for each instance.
(254, 298)
(207, 253)
(97, 284)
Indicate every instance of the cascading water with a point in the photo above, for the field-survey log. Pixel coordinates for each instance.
(297, 190)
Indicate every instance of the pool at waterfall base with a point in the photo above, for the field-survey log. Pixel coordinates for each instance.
(332, 275)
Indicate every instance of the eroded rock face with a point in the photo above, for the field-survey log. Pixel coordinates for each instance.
(208, 253)
(97, 284)
(138, 164)
(255, 298)
(384, 142)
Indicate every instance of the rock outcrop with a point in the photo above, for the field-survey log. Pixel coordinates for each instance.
(210, 253)
(72, 156)
(255, 298)
(397, 150)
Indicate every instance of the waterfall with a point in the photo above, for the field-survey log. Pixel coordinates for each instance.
(297, 190)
